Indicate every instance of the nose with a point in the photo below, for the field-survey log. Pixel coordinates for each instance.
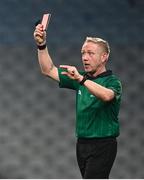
(85, 57)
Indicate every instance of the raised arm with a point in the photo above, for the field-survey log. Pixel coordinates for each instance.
(45, 61)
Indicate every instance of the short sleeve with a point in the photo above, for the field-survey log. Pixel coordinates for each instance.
(116, 86)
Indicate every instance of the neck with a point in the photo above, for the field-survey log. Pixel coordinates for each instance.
(97, 72)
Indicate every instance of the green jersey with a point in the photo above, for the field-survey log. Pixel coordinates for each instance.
(94, 117)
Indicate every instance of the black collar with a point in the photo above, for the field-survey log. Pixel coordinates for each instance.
(103, 74)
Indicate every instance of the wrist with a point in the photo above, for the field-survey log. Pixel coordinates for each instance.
(83, 79)
(42, 47)
(80, 78)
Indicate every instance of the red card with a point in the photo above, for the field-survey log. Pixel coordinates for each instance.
(45, 21)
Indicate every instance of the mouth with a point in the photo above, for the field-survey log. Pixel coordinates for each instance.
(86, 65)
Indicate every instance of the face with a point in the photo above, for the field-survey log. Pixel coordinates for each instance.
(93, 57)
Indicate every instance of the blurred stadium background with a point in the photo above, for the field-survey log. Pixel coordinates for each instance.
(37, 119)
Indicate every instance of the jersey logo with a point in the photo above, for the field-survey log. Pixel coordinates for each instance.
(79, 92)
(92, 96)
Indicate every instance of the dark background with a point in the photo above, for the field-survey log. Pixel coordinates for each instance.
(37, 119)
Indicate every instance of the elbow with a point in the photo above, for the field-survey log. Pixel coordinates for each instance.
(45, 73)
(108, 97)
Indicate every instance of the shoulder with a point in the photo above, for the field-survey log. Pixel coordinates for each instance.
(113, 78)
(114, 83)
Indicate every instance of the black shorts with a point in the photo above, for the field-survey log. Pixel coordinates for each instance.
(96, 156)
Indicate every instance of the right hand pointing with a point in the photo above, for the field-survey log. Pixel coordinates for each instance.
(40, 35)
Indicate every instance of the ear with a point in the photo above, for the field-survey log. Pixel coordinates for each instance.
(104, 57)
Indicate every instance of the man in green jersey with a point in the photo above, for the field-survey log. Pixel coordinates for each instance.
(98, 96)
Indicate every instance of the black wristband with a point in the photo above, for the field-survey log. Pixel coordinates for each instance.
(41, 47)
(83, 80)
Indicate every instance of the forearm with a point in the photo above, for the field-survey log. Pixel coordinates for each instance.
(99, 91)
(45, 61)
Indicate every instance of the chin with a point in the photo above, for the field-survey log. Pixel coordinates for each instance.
(88, 70)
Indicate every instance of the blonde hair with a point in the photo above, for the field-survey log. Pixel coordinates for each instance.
(99, 41)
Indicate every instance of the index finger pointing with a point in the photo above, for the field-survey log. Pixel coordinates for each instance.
(64, 66)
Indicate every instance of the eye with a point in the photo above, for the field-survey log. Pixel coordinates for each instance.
(91, 53)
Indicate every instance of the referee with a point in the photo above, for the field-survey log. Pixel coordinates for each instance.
(98, 97)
